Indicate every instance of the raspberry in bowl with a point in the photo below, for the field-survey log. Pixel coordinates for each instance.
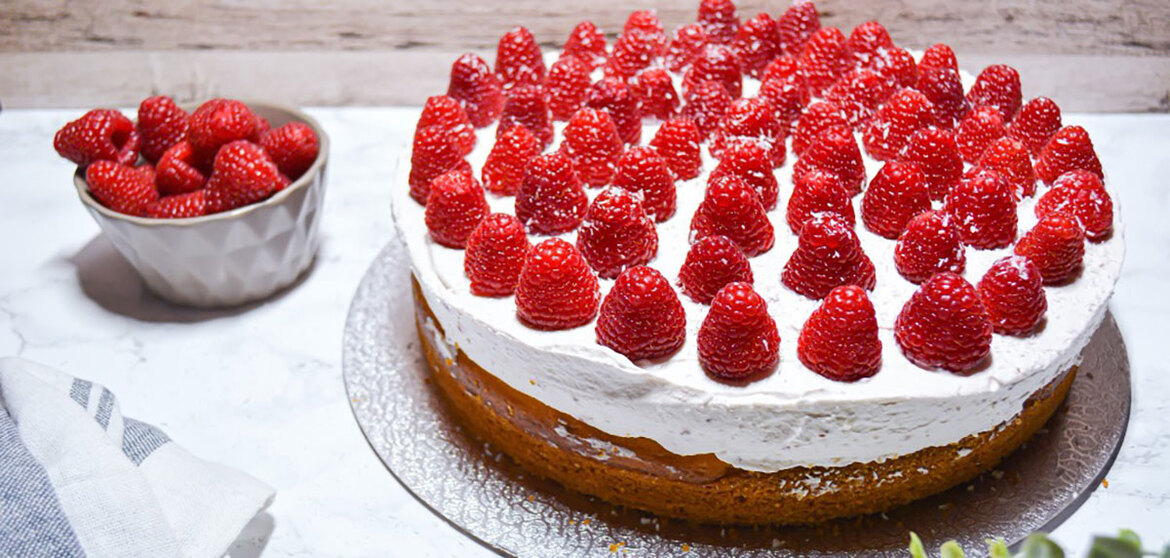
(214, 205)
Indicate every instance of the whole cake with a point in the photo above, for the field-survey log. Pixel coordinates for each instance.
(755, 271)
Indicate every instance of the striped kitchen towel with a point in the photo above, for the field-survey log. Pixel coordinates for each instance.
(79, 479)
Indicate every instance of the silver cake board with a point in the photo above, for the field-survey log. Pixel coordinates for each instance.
(486, 496)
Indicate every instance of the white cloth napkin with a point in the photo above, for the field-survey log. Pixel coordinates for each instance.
(79, 479)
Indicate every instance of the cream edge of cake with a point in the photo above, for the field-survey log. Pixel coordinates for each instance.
(794, 417)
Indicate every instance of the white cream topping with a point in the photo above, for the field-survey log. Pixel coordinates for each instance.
(793, 417)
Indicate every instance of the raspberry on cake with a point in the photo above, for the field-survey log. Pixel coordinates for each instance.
(568, 329)
(556, 289)
(641, 317)
(738, 339)
(641, 170)
(711, 263)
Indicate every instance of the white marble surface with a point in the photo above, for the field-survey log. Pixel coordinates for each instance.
(260, 388)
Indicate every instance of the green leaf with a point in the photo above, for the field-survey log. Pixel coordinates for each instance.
(1037, 545)
(951, 549)
(1108, 547)
(998, 549)
(916, 548)
(1166, 552)
(1131, 537)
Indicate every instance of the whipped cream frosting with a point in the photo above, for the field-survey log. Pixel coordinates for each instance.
(794, 417)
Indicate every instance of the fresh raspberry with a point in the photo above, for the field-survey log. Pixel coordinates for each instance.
(434, 153)
(566, 85)
(494, 255)
(784, 66)
(294, 146)
(894, 64)
(551, 199)
(825, 59)
(242, 174)
(120, 188)
(944, 89)
(859, 94)
(939, 56)
(686, 45)
(835, 151)
(593, 143)
(1036, 123)
(641, 316)
(1056, 245)
(938, 156)
(556, 289)
(751, 163)
(586, 43)
(798, 24)
(906, 112)
(984, 208)
(718, 63)
(654, 90)
(511, 154)
(161, 124)
(895, 195)
(840, 339)
(99, 135)
(1010, 158)
(705, 105)
(617, 233)
(444, 112)
(262, 125)
(642, 170)
(719, 20)
(455, 206)
(977, 130)
(645, 25)
(677, 141)
(997, 86)
(827, 256)
(175, 174)
(526, 105)
(867, 40)
(945, 325)
(518, 59)
(147, 170)
(1082, 195)
(757, 42)
(1013, 293)
(816, 192)
(738, 339)
(181, 206)
(615, 98)
(1069, 149)
(477, 89)
(819, 117)
(788, 97)
(750, 121)
(930, 244)
(216, 123)
(712, 263)
(632, 52)
(732, 208)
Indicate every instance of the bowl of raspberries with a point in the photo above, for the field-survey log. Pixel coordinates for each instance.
(214, 205)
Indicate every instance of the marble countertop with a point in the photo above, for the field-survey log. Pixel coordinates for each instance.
(260, 388)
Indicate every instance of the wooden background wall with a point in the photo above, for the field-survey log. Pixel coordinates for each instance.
(1090, 55)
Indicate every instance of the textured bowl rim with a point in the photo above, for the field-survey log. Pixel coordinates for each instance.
(82, 186)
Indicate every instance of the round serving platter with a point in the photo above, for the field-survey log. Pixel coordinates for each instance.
(485, 495)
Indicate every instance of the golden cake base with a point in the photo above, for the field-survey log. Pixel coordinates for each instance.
(639, 473)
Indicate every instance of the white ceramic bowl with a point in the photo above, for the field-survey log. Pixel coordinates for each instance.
(228, 258)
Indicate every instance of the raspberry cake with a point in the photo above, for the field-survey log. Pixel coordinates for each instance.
(754, 271)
